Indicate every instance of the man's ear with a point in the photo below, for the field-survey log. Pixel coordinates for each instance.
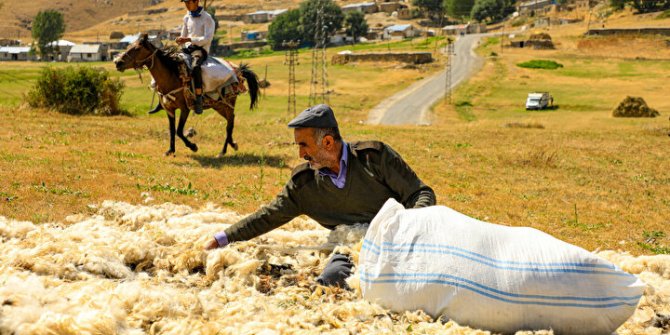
(328, 142)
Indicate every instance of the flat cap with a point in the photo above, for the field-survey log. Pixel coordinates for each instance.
(319, 116)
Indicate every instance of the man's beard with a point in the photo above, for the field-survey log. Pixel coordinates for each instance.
(319, 161)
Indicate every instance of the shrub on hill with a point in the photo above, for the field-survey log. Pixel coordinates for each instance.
(634, 107)
(540, 64)
(77, 90)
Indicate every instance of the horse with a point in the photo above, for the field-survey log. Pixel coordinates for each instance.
(171, 77)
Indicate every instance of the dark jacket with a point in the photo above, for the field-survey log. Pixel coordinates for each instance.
(375, 173)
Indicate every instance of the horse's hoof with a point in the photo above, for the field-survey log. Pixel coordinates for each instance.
(169, 153)
(220, 155)
(194, 147)
(234, 146)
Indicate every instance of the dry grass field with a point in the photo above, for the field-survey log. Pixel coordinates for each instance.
(112, 230)
(585, 177)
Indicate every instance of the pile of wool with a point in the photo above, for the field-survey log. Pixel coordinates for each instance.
(141, 270)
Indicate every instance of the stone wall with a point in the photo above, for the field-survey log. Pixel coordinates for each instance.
(629, 31)
(403, 57)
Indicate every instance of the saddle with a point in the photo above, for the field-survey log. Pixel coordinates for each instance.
(221, 81)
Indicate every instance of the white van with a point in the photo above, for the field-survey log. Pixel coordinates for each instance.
(538, 100)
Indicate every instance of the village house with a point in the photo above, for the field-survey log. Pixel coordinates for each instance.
(399, 31)
(262, 16)
(363, 7)
(390, 7)
(253, 35)
(61, 50)
(15, 53)
(535, 7)
(88, 53)
(462, 29)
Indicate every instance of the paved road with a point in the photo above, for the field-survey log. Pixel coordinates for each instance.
(412, 105)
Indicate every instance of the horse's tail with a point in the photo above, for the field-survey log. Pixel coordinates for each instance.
(252, 82)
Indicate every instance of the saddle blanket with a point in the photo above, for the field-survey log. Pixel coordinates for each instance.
(216, 73)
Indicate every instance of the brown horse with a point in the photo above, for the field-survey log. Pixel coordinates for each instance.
(173, 83)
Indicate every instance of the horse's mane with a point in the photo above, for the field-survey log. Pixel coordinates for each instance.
(169, 55)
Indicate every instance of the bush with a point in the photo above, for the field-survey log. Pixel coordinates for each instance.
(77, 90)
(540, 64)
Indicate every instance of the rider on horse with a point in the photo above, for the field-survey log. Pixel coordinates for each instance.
(196, 37)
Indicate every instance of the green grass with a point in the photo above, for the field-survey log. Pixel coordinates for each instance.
(540, 64)
(664, 15)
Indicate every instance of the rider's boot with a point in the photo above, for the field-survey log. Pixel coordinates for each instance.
(198, 104)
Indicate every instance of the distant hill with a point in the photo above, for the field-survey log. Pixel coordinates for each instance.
(88, 20)
(18, 15)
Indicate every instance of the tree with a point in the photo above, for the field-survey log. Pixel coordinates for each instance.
(48, 26)
(285, 27)
(356, 24)
(215, 40)
(332, 18)
(459, 8)
(647, 6)
(434, 8)
(617, 4)
(491, 10)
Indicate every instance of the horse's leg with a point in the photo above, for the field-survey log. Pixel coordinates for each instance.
(183, 115)
(171, 119)
(228, 112)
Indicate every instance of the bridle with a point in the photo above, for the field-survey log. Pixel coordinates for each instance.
(139, 64)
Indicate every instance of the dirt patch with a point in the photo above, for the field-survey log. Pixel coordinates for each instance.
(650, 47)
(634, 107)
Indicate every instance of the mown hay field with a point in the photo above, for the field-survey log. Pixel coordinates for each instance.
(574, 172)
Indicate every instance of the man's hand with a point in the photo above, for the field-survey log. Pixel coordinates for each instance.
(212, 244)
(182, 40)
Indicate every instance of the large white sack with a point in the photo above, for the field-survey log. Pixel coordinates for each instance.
(489, 276)
(215, 73)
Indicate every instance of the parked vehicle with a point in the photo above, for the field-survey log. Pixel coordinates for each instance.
(539, 100)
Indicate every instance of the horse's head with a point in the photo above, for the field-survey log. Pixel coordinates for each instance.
(140, 53)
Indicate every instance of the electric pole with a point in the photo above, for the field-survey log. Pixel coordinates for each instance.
(448, 81)
(291, 60)
(318, 92)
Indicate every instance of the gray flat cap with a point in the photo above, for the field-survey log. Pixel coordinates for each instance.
(319, 116)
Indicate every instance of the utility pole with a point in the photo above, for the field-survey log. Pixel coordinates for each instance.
(502, 39)
(318, 92)
(291, 60)
(450, 56)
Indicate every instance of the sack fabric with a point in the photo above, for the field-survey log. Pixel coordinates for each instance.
(489, 276)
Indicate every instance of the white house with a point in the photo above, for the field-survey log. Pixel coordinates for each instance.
(15, 53)
(63, 46)
(535, 6)
(399, 31)
(88, 53)
(363, 7)
(262, 16)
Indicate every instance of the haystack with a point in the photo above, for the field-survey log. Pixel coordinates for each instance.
(634, 107)
(540, 41)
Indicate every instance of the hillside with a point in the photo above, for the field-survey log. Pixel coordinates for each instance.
(18, 15)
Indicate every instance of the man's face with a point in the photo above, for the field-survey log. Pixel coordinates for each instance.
(192, 5)
(309, 149)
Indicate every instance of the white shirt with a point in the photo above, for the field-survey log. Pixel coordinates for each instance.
(199, 29)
